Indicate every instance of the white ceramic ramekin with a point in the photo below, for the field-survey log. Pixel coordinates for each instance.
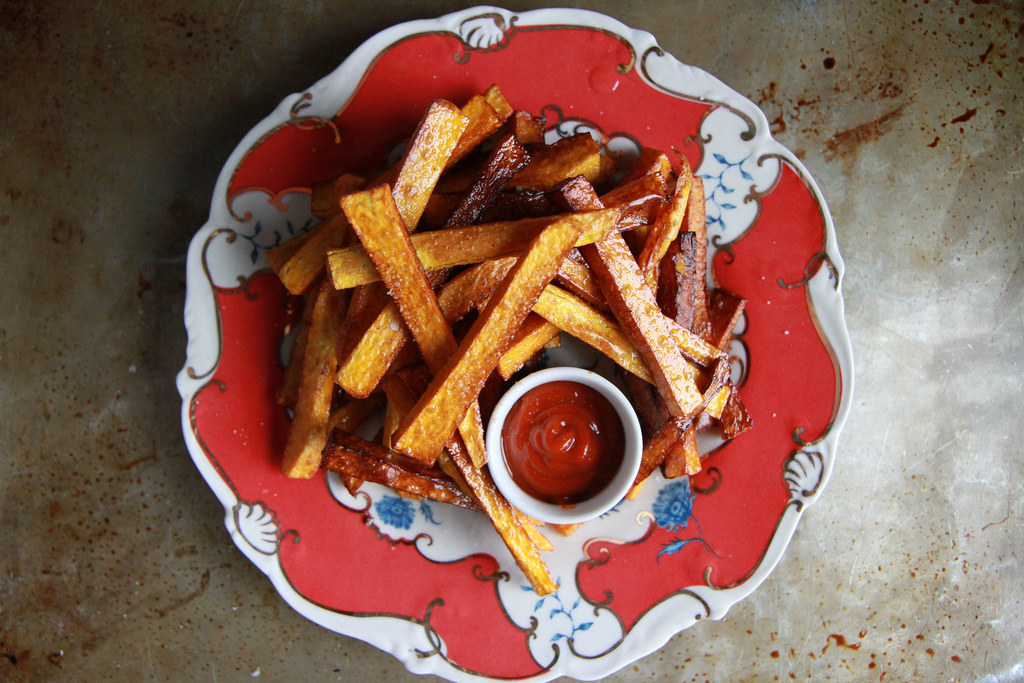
(603, 500)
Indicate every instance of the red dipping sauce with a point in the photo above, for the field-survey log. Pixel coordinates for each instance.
(563, 442)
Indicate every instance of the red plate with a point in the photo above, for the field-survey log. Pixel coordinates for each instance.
(434, 586)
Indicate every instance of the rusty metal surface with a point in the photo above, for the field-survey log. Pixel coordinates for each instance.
(113, 125)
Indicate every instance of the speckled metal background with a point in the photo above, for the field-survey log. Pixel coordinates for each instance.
(114, 122)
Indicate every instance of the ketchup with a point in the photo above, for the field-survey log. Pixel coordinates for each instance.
(563, 442)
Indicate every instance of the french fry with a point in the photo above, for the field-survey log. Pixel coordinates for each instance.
(696, 222)
(574, 316)
(679, 282)
(481, 121)
(288, 390)
(504, 221)
(375, 218)
(496, 99)
(507, 158)
(567, 158)
(650, 161)
(456, 386)
(521, 537)
(633, 304)
(279, 255)
(532, 336)
(682, 457)
(307, 264)
(425, 158)
(528, 129)
(324, 196)
(735, 418)
(665, 229)
(512, 526)
(352, 455)
(351, 266)
(312, 407)
(575, 276)
(646, 193)
(363, 368)
(725, 310)
(348, 418)
(655, 450)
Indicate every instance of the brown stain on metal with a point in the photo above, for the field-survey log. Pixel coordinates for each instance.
(846, 142)
(966, 116)
(840, 641)
(204, 583)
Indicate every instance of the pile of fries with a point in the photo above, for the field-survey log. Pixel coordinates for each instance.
(481, 246)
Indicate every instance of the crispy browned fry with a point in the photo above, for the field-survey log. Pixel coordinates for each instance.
(349, 417)
(357, 457)
(649, 408)
(679, 282)
(504, 161)
(374, 216)
(579, 195)
(682, 457)
(632, 302)
(725, 309)
(735, 418)
(655, 449)
(362, 370)
(511, 206)
(426, 156)
(573, 315)
(640, 201)
(665, 229)
(567, 158)
(532, 337)
(307, 264)
(312, 407)
(696, 222)
(457, 385)
(646, 192)
(351, 266)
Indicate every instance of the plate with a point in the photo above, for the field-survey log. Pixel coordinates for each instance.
(433, 585)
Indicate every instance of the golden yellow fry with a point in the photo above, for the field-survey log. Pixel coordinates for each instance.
(436, 415)
(578, 155)
(532, 336)
(312, 408)
(374, 217)
(577, 318)
(378, 348)
(425, 158)
(351, 266)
